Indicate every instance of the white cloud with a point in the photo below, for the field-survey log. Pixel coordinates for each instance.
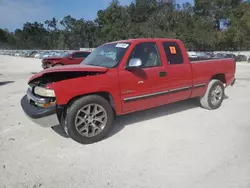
(13, 13)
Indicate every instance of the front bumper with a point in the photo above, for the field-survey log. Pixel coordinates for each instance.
(45, 117)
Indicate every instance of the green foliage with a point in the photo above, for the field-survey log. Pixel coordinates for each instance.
(206, 25)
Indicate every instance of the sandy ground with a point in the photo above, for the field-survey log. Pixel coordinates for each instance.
(178, 145)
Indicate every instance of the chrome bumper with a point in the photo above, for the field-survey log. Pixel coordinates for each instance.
(45, 117)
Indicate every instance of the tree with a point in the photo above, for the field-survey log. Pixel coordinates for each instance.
(206, 25)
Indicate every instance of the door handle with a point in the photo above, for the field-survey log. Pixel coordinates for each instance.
(162, 74)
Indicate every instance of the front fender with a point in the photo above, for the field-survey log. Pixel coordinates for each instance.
(66, 90)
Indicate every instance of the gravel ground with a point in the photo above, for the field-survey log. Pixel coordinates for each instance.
(178, 145)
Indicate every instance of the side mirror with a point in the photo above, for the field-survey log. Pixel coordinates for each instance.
(134, 63)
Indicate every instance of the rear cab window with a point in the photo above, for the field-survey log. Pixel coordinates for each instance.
(173, 53)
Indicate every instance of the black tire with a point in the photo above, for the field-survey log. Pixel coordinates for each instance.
(206, 100)
(72, 111)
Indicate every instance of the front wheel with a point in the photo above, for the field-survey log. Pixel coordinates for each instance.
(89, 119)
(214, 95)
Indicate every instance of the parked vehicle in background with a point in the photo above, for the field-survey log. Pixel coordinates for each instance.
(17, 54)
(25, 54)
(210, 54)
(66, 59)
(119, 78)
(42, 54)
(32, 54)
(22, 53)
(192, 54)
(219, 56)
(37, 55)
(241, 58)
(231, 56)
(202, 54)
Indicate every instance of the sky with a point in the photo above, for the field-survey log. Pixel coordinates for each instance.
(13, 13)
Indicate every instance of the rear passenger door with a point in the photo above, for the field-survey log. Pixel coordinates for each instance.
(179, 72)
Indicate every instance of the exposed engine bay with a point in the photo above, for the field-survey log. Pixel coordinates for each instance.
(59, 76)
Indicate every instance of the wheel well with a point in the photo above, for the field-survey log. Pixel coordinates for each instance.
(221, 77)
(104, 94)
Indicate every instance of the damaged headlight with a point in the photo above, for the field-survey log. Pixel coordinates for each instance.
(44, 92)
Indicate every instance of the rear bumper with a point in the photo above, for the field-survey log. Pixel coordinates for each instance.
(45, 117)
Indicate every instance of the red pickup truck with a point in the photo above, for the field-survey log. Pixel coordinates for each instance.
(66, 59)
(119, 78)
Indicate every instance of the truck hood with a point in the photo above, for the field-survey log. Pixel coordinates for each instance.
(69, 69)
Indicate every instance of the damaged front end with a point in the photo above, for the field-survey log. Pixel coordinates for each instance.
(40, 109)
(39, 103)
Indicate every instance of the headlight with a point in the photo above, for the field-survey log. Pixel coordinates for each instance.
(44, 92)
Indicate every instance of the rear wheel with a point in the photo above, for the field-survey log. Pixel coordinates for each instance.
(214, 95)
(89, 119)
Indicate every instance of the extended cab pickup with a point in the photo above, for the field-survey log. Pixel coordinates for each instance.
(73, 58)
(119, 78)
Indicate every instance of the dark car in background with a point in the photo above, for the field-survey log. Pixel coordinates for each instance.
(231, 56)
(241, 58)
(219, 56)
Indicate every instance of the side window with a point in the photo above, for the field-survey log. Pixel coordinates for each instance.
(81, 54)
(173, 53)
(75, 55)
(84, 54)
(148, 53)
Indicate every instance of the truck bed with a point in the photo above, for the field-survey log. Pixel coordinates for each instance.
(203, 70)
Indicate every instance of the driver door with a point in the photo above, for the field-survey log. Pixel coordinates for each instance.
(138, 85)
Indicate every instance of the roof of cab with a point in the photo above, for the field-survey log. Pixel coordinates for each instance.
(144, 40)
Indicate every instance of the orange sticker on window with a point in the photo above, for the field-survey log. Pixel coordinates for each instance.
(172, 50)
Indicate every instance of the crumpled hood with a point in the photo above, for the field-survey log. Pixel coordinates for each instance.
(69, 68)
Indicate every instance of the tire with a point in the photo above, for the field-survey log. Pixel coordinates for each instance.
(77, 108)
(206, 101)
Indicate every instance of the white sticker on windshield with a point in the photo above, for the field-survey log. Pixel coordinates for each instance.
(121, 45)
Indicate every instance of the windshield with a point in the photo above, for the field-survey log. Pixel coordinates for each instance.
(65, 54)
(108, 55)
